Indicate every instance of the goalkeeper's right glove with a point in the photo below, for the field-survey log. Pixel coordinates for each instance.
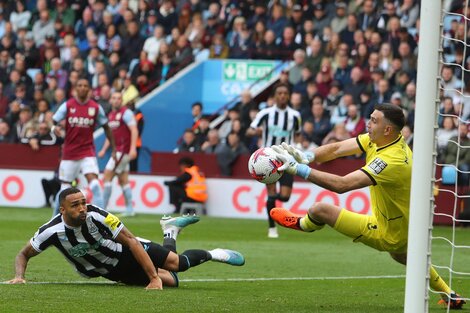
(290, 164)
(301, 157)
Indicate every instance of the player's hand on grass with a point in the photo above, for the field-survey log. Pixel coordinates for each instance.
(289, 164)
(155, 284)
(301, 157)
(17, 280)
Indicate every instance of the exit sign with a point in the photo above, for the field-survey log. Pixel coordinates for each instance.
(247, 71)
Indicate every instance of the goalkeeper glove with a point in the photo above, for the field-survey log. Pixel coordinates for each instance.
(290, 164)
(301, 157)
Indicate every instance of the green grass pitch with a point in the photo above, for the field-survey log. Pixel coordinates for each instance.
(299, 272)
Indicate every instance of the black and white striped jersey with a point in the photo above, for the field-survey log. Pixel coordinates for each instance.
(278, 125)
(91, 248)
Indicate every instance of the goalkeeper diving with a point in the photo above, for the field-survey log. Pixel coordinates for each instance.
(387, 172)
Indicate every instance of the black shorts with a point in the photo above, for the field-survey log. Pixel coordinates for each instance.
(286, 180)
(129, 271)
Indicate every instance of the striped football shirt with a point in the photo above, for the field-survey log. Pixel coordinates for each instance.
(278, 125)
(90, 248)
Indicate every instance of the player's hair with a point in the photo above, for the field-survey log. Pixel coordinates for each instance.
(393, 113)
(69, 191)
(279, 85)
(186, 161)
(199, 104)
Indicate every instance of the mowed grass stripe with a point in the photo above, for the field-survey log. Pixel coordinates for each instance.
(205, 280)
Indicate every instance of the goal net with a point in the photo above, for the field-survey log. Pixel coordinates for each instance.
(440, 186)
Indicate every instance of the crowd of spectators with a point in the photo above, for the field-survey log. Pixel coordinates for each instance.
(347, 56)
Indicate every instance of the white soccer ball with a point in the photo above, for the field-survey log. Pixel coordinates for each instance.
(263, 166)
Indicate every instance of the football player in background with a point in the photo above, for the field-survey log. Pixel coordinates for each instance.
(276, 124)
(125, 132)
(81, 116)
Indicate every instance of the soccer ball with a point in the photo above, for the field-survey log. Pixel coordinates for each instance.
(263, 166)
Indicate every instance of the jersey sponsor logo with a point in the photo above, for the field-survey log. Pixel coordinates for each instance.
(114, 124)
(91, 111)
(377, 165)
(76, 121)
(82, 248)
(112, 221)
(277, 131)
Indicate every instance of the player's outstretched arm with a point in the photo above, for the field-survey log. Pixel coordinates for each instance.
(355, 180)
(300, 156)
(21, 262)
(336, 150)
(126, 238)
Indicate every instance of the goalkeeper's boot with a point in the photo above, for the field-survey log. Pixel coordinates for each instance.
(227, 256)
(454, 302)
(285, 218)
(178, 223)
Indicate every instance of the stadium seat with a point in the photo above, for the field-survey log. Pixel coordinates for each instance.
(133, 64)
(448, 19)
(202, 55)
(193, 208)
(32, 72)
(449, 175)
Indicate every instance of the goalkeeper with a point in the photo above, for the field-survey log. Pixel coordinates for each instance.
(387, 173)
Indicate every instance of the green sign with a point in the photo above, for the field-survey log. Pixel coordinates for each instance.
(247, 71)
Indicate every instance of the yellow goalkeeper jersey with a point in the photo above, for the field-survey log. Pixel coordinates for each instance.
(389, 167)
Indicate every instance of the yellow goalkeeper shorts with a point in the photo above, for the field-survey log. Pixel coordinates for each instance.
(364, 228)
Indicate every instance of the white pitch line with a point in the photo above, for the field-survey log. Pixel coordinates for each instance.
(292, 278)
(211, 280)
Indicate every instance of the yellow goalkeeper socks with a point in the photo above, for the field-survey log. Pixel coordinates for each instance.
(437, 283)
(308, 224)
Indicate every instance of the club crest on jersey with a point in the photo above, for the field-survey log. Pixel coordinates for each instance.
(72, 110)
(92, 227)
(91, 111)
(377, 165)
(118, 116)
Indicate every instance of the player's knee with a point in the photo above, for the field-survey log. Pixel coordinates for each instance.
(283, 198)
(94, 184)
(183, 263)
(318, 211)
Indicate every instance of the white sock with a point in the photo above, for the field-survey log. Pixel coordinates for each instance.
(170, 232)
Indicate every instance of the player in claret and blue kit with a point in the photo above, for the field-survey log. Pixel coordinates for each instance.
(81, 116)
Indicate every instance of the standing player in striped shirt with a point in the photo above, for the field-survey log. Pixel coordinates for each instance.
(275, 125)
(96, 243)
(81, 115)
(125, 132)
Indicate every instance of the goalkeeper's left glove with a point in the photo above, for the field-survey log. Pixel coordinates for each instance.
(301, 157)
(290, 165)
